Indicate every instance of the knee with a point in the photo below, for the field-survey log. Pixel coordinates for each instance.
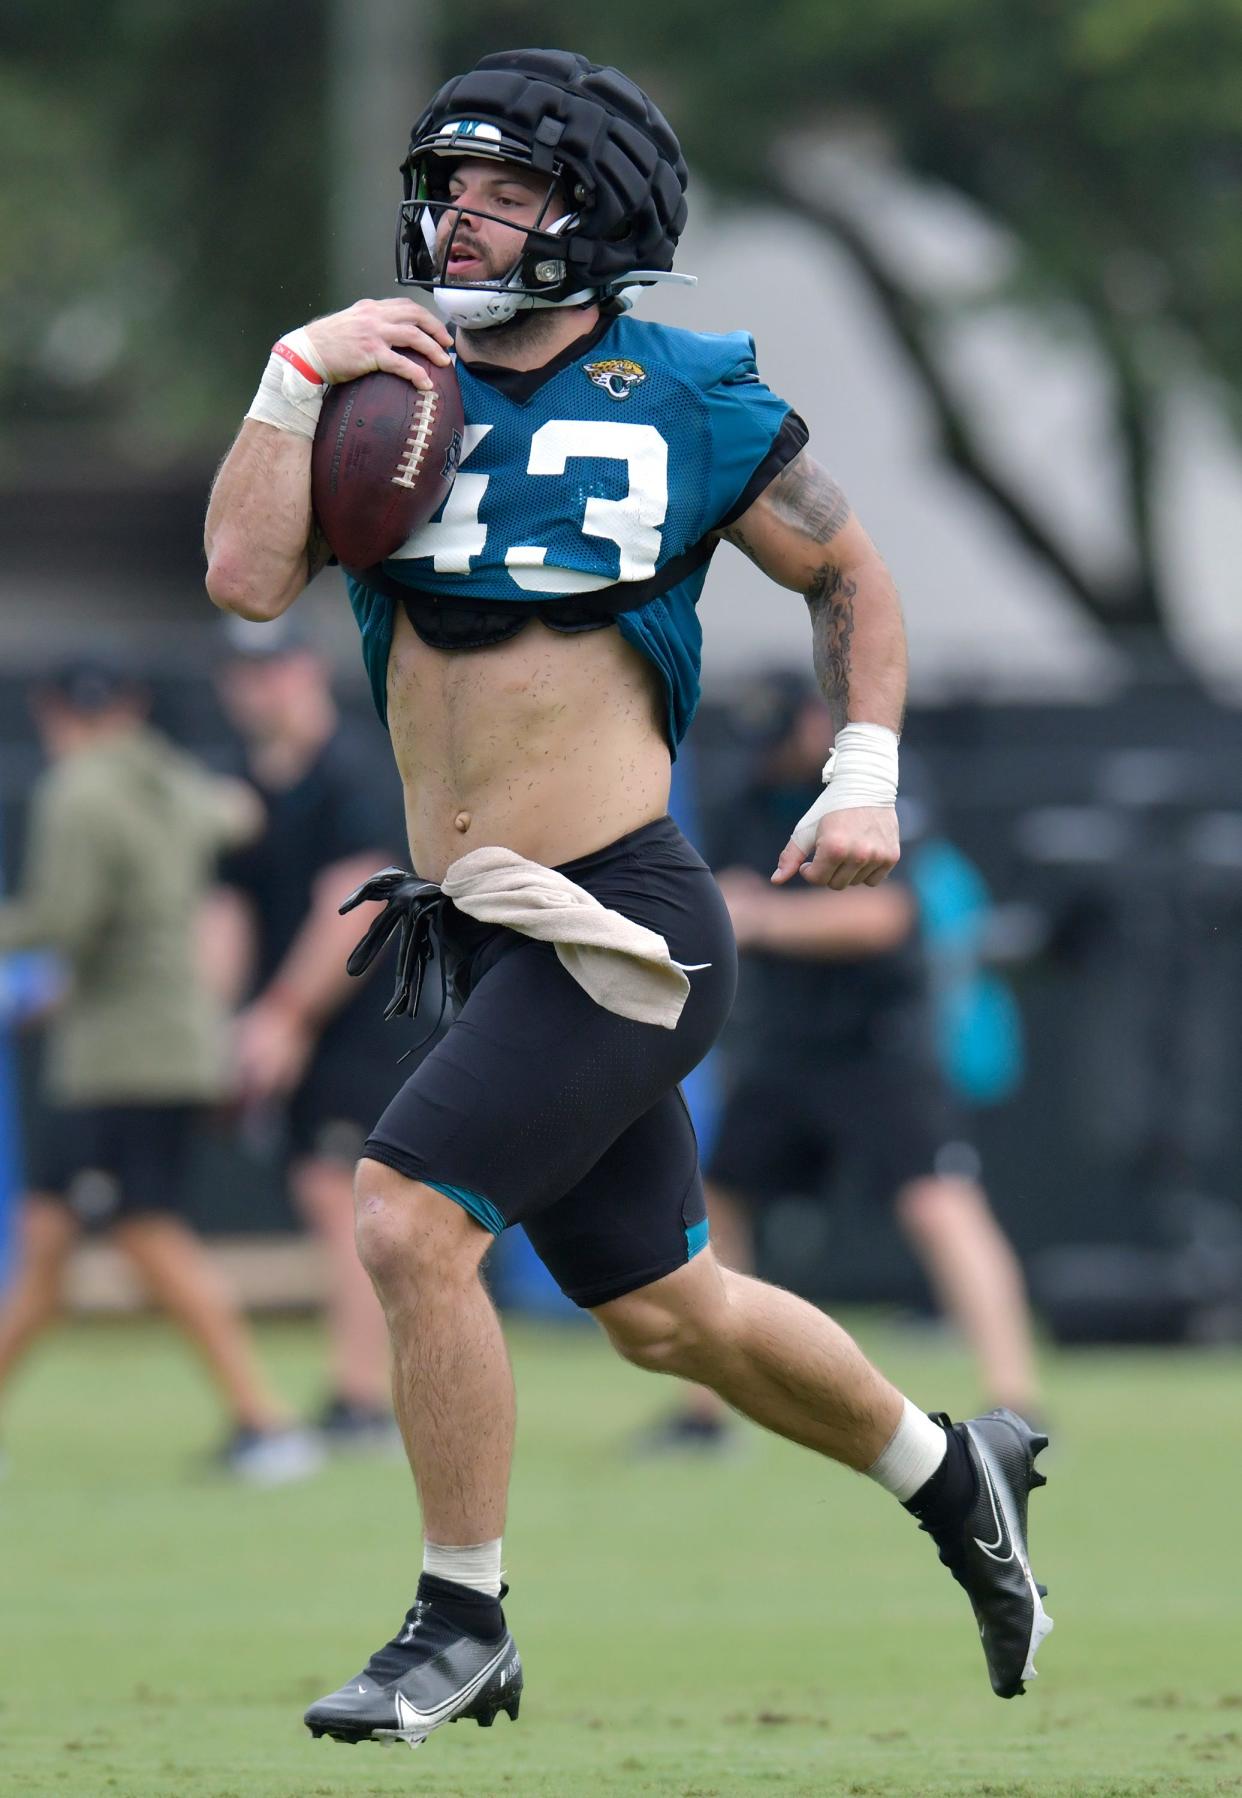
(405, 1231)
(46, 1240)
(925, 1207)
(42, 1290)
(660, 1336)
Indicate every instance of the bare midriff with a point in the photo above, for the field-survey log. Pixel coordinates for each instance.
(549, 744)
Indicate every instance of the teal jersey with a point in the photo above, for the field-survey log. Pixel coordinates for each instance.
(606, 472)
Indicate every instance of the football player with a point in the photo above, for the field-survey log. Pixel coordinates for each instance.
(534, 652)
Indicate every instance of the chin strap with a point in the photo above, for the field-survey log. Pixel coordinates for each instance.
(479, 308)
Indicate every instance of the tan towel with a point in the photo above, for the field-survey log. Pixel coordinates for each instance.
(625, 967)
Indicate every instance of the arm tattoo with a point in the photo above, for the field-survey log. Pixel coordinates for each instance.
(806, 496)
(735, 535)
(802, 496)
(830, 600)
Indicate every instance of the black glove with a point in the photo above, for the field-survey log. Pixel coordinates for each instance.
(411, 906)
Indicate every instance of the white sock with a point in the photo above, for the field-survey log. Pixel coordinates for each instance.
(912, 1454)
(477, 1565)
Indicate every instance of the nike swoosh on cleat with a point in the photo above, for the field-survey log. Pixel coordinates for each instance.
(410, 1717)
(1002, 1535)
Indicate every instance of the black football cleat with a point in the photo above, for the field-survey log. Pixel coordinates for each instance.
(683, 1433)
(432, 1672)
(345, 1427)
(987, 1554)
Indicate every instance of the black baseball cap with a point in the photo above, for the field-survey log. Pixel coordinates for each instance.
(262, 640)
(91, 684)
(764, 707)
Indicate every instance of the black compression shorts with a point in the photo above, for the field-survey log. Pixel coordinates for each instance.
(110, 1162)
(539, 1107)
(790, 1127)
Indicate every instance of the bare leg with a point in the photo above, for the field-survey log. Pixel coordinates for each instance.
(733, 1239)
(183, 1279)
(452, 1383)
(768, 1354)
(977, 1280)
(48, 1233)
(357, 1334)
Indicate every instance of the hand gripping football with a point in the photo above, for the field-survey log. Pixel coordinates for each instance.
(383, 460)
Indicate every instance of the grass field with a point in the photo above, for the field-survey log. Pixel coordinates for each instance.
(769, 1624)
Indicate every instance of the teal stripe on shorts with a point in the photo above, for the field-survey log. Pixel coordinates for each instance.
(696, 1239)
(481, 1210)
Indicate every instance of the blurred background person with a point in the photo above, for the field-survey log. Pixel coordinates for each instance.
(123, 836)
(829, 1063)
(314, 1058)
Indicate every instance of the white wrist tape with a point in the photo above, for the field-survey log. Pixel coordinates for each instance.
(291, 392)
(862, 770)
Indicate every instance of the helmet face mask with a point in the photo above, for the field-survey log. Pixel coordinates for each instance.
(594, 136)
(538, 268)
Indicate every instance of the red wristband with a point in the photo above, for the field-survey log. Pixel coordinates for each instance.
(304, 368)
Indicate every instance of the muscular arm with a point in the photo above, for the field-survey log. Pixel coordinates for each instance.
(803, 535)
(261, 540)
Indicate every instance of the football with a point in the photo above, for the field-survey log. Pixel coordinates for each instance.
(383, 460)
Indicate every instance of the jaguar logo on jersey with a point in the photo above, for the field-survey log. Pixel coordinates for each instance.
(618, 376)
(452, 456)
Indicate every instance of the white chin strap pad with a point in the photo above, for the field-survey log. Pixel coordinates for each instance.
(861, 771)
(475, 308)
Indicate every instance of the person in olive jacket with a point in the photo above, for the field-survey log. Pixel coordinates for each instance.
(123, 837)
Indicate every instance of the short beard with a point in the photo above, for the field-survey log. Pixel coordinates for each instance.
(524, 331)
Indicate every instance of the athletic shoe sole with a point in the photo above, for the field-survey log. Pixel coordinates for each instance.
(413, 1738)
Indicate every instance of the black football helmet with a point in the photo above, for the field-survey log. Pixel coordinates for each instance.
(597, 138)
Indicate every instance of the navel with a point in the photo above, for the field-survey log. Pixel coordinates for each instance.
(462, 822)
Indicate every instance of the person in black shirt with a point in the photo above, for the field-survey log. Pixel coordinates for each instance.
(829, 1060)
(310, 1040)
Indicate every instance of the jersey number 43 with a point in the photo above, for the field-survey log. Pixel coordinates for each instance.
(458, 538)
